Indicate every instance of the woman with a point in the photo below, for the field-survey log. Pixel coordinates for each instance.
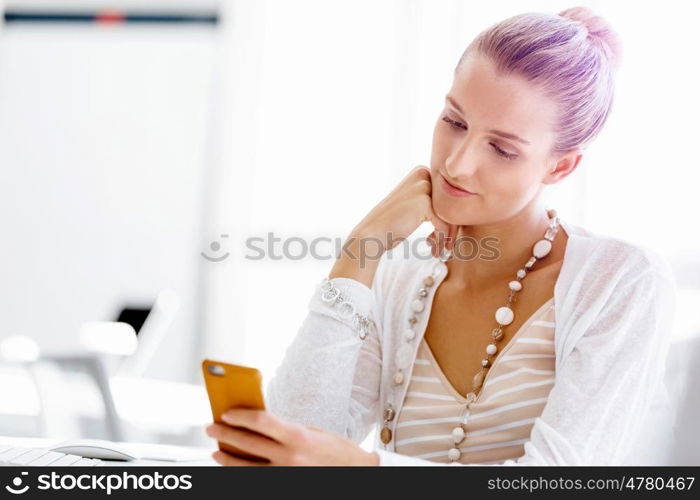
(547, 349)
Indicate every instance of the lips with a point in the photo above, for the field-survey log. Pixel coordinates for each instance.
(456, 187)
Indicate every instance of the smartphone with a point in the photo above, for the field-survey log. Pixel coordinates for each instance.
(233, 386)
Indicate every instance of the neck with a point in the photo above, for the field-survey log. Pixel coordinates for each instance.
(493, 252)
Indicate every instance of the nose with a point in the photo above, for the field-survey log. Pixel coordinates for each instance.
(461, 164)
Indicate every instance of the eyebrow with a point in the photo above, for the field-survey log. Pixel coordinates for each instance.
(507, 135)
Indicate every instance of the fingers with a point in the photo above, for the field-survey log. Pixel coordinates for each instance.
(227, 459)
(418, 173)
(432, 241)
(442, 229)
(245, 440)
(438, 243)
(261, 421)
(424, 172)
(454, 231)
(421, 171)
(440, 225)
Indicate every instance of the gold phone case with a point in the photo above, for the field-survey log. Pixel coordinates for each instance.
(233, 386)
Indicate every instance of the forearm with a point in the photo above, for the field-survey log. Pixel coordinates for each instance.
(359, 258)
(313, 384)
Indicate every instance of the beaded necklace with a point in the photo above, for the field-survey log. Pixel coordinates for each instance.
(504, 316)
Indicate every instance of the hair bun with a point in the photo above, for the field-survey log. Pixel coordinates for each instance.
(598, 29)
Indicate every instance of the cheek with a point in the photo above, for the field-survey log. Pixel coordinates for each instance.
(443, 140)
(508, 184)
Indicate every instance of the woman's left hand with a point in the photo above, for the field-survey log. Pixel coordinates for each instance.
(283, 443)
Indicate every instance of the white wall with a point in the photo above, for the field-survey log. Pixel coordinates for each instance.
(103, 143)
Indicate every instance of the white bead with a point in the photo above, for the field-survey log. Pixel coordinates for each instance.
(398, 377)
(516, 286)
(417, 305)
(521, 273)
(491, 349)
(465, 417)
(409, 334)
(457, 434)
(504, 315)
(454, 454)
(484, 362)
(404, 355)
(542, 248)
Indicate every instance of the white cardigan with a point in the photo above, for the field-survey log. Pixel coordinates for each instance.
(614, 308)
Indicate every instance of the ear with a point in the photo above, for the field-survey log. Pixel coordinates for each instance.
(562, 166)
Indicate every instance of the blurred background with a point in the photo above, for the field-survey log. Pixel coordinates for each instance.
(143, 144)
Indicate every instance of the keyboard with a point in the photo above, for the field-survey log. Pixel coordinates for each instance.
(15, 455)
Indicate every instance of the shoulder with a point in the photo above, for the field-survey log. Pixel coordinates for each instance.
(615, 258)
(616, 282)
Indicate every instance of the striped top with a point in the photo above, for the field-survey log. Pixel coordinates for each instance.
(498, 423)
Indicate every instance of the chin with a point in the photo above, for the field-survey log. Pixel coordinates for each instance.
(451, 212)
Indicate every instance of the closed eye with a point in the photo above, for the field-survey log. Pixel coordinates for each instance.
(454, 124)
(457, 125)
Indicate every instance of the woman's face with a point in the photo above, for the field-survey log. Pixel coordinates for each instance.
(504, 173)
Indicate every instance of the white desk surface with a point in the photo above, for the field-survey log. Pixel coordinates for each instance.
(192, 456)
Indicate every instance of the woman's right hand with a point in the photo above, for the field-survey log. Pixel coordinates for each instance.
(395, 218)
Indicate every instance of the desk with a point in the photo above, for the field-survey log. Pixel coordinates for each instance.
(141, 404)
(193, 456)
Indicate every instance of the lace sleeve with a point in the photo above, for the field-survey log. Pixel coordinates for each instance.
(330, 374)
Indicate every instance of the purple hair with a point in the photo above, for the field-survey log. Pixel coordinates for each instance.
(571, 56)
